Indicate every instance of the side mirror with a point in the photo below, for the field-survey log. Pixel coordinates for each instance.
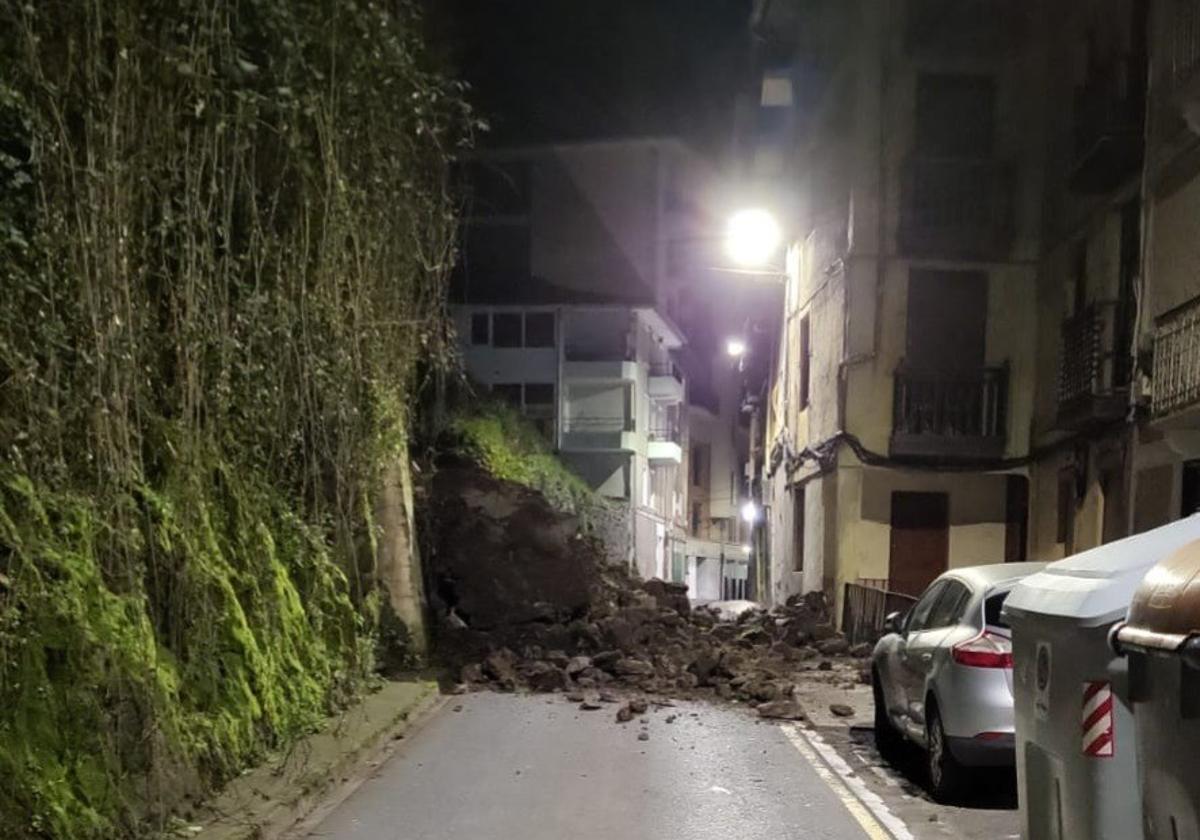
(894, 623)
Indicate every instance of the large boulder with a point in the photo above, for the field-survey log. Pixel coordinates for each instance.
(669, 595)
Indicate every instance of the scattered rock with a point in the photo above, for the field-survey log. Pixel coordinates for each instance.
(841, 710)
(543, 676)
(862, 650)
(471, 674)
(643, 736)
(624, 714)
(639, 706)
(781, 710)
(633, 668)
(576, 665)
(825, 665)
(833, 647)
(671, 718)
(589, 706)
(576, 696)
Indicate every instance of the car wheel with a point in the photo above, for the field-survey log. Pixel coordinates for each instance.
(946, 775)
(887, 739)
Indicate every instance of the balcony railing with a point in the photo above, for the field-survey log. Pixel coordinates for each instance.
(950, 414)
(956, 207)
(588, 353)
(963, 27)
(1177, 360)
(667, 369)
(1093, 366)
(598, 424)
(668, 434)
(1183, 46)
(1109, 112)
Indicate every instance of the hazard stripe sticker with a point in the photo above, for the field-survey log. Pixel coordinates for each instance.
(1097, 720)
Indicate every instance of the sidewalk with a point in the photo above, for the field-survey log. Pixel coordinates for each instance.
(268, 800)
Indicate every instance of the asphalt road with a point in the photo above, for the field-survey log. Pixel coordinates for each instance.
(505, 767)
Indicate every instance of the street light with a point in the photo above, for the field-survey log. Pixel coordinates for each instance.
(752, 237)
(750, 513)
(735, 347)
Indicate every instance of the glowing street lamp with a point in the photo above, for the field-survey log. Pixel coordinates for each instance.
(750, 513)
(752, 237)
(735, 347)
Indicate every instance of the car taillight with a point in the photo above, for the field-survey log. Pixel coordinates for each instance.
(987, 650)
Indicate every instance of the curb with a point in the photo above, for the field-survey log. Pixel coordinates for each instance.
(271, 799)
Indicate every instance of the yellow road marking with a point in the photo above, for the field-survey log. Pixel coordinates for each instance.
(871, 826)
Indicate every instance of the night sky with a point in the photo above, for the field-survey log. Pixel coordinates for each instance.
(545, 70)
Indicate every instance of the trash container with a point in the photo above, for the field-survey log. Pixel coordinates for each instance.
(1161, 638)
(1076, 759)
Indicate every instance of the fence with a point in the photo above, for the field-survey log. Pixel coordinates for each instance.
(1177, 360)
(865, 609)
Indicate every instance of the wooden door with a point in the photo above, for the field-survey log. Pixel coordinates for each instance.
(920, 546)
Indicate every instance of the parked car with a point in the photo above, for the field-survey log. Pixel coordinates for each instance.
(943, 679)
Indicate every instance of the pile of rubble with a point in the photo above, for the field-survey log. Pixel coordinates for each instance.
(532, 604)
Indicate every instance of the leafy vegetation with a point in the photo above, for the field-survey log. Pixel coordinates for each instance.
(509, 446)
(224, 231)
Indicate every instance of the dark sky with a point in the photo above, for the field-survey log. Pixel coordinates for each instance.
(572, 69)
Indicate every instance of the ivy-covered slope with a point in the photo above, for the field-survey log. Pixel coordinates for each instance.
(224, 230)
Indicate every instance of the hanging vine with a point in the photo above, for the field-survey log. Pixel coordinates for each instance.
(225, 227)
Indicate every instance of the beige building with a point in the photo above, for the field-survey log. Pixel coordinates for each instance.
(991, 336)
(898, 418)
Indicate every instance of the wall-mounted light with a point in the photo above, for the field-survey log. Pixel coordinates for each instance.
(735, 347)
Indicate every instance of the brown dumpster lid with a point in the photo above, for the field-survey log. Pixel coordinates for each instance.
(1165, 611)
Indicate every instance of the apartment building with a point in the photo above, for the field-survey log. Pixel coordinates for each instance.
(576, 265)
(1165, 473)
(906, 153)
(1085, 403)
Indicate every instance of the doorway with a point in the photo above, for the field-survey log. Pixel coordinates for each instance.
(920, 543)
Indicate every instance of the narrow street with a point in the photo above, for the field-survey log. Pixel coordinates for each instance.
(509, 766)
(526, 767)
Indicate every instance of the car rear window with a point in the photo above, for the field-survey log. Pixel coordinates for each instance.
(991, 610)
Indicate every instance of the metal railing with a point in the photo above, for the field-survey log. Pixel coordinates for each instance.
(950, 404)
(667, 369)
(582, 353)
(956, 206)
(1177, 360)
(670, 434)
(866, 607)
(1183, 47)
(1111, 101)
(1090, 362)
(962, 26)
(598, 424)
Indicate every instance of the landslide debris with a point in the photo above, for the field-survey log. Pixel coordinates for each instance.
(540, 606)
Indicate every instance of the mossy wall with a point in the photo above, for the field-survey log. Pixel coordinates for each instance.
(225, 227)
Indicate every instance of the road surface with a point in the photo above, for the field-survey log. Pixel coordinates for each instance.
(507, 767)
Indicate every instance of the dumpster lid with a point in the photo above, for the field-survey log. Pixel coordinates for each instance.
(1096, 586)
(1166, 608)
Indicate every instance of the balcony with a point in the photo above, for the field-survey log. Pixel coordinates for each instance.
(971, 28)
(1176, 394)
(664, 445)
(950, 414)
(599, 434)
(601, 365)
(1093, 368)
(666, 383)
(1108, 123)
(956, 208)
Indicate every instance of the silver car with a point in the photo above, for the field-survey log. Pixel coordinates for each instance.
(942, 675)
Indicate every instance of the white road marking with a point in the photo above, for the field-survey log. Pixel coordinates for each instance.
(863, 804)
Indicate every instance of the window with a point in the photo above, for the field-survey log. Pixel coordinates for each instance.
(1190, 491)
(509, 392)
(1066, 509)
(506, 329)
(950, 607)
(798, 529)
(805, 360)
(955, 115)
(918, 617)
(696, 513)
(538, 393)
(992, 609)
(697, 466)
(539, 329)
(481, 328)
